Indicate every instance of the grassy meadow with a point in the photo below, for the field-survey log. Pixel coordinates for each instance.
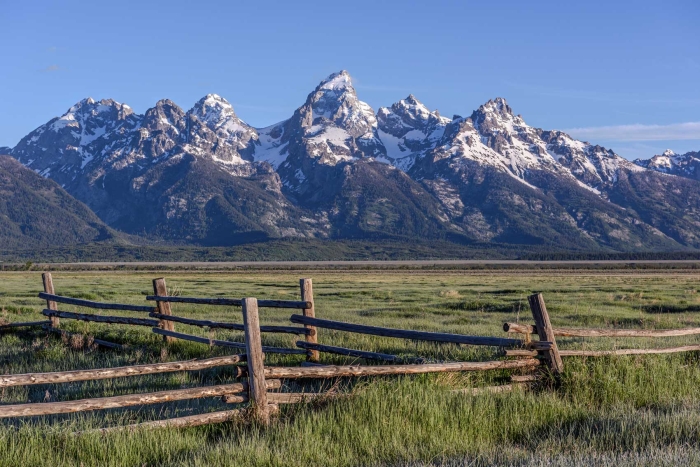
(642, 410)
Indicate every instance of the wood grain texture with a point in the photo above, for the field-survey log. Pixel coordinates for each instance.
(163, 308)
(49, 291)
(84, 405)
(331, 371)
(576, 332)
(117, 372)
(307, 295)
(605, 353)
(256, 366)
(546, 333)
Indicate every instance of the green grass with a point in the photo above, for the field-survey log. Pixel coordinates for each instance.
(641, 410)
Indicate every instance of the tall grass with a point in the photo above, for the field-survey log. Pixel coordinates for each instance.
(608, 411)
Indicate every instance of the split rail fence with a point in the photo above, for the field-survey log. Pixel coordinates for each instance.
(260, 381)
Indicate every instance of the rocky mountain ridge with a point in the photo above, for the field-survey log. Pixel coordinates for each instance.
(335, 169)
(683, 165)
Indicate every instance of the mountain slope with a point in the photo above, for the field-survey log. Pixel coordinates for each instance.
(36, 212)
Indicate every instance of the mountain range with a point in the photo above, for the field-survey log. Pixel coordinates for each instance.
(336, 169)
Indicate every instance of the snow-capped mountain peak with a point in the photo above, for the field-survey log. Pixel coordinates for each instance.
(335, 100)
(339, 81)
(205, 173)
(407, 129)
(497, 116)
(218, 115)
(495, 136)
(212, 109)
(87, 109)
(685, 165)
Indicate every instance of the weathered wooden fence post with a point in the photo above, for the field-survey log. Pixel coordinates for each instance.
(257, 391)
(546, 333)
(307, 295)
(163, 308)
(50, 304)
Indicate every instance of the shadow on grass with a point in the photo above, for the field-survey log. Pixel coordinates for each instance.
(661, 309)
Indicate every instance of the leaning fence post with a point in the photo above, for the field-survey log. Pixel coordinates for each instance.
(163, 308)
(50, 304)
(307, 295)
(257, 391)
(546, 333)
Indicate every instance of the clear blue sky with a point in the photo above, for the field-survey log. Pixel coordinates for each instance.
(562, 64)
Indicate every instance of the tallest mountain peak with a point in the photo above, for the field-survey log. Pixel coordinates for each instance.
(337, 81)
(335, 100)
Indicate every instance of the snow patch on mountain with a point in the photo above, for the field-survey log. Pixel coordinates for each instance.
(684, 165)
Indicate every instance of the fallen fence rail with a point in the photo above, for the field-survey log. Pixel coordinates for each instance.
(117, 372)
(405, 334)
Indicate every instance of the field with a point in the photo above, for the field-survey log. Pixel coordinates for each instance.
(618, 411)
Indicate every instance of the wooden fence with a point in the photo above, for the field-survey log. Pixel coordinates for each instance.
(260, 381)
(550, 333)
(166, 323)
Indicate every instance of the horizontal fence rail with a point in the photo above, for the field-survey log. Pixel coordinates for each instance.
(574, 332)
(405, 334)
(229, 302)
(604, 353)
(220, 343)
(101, 319)
(235, 326)
(27, 379)
(356, 353)
(28, 324)
(331, 371)
(100, 403)
(97, 305)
